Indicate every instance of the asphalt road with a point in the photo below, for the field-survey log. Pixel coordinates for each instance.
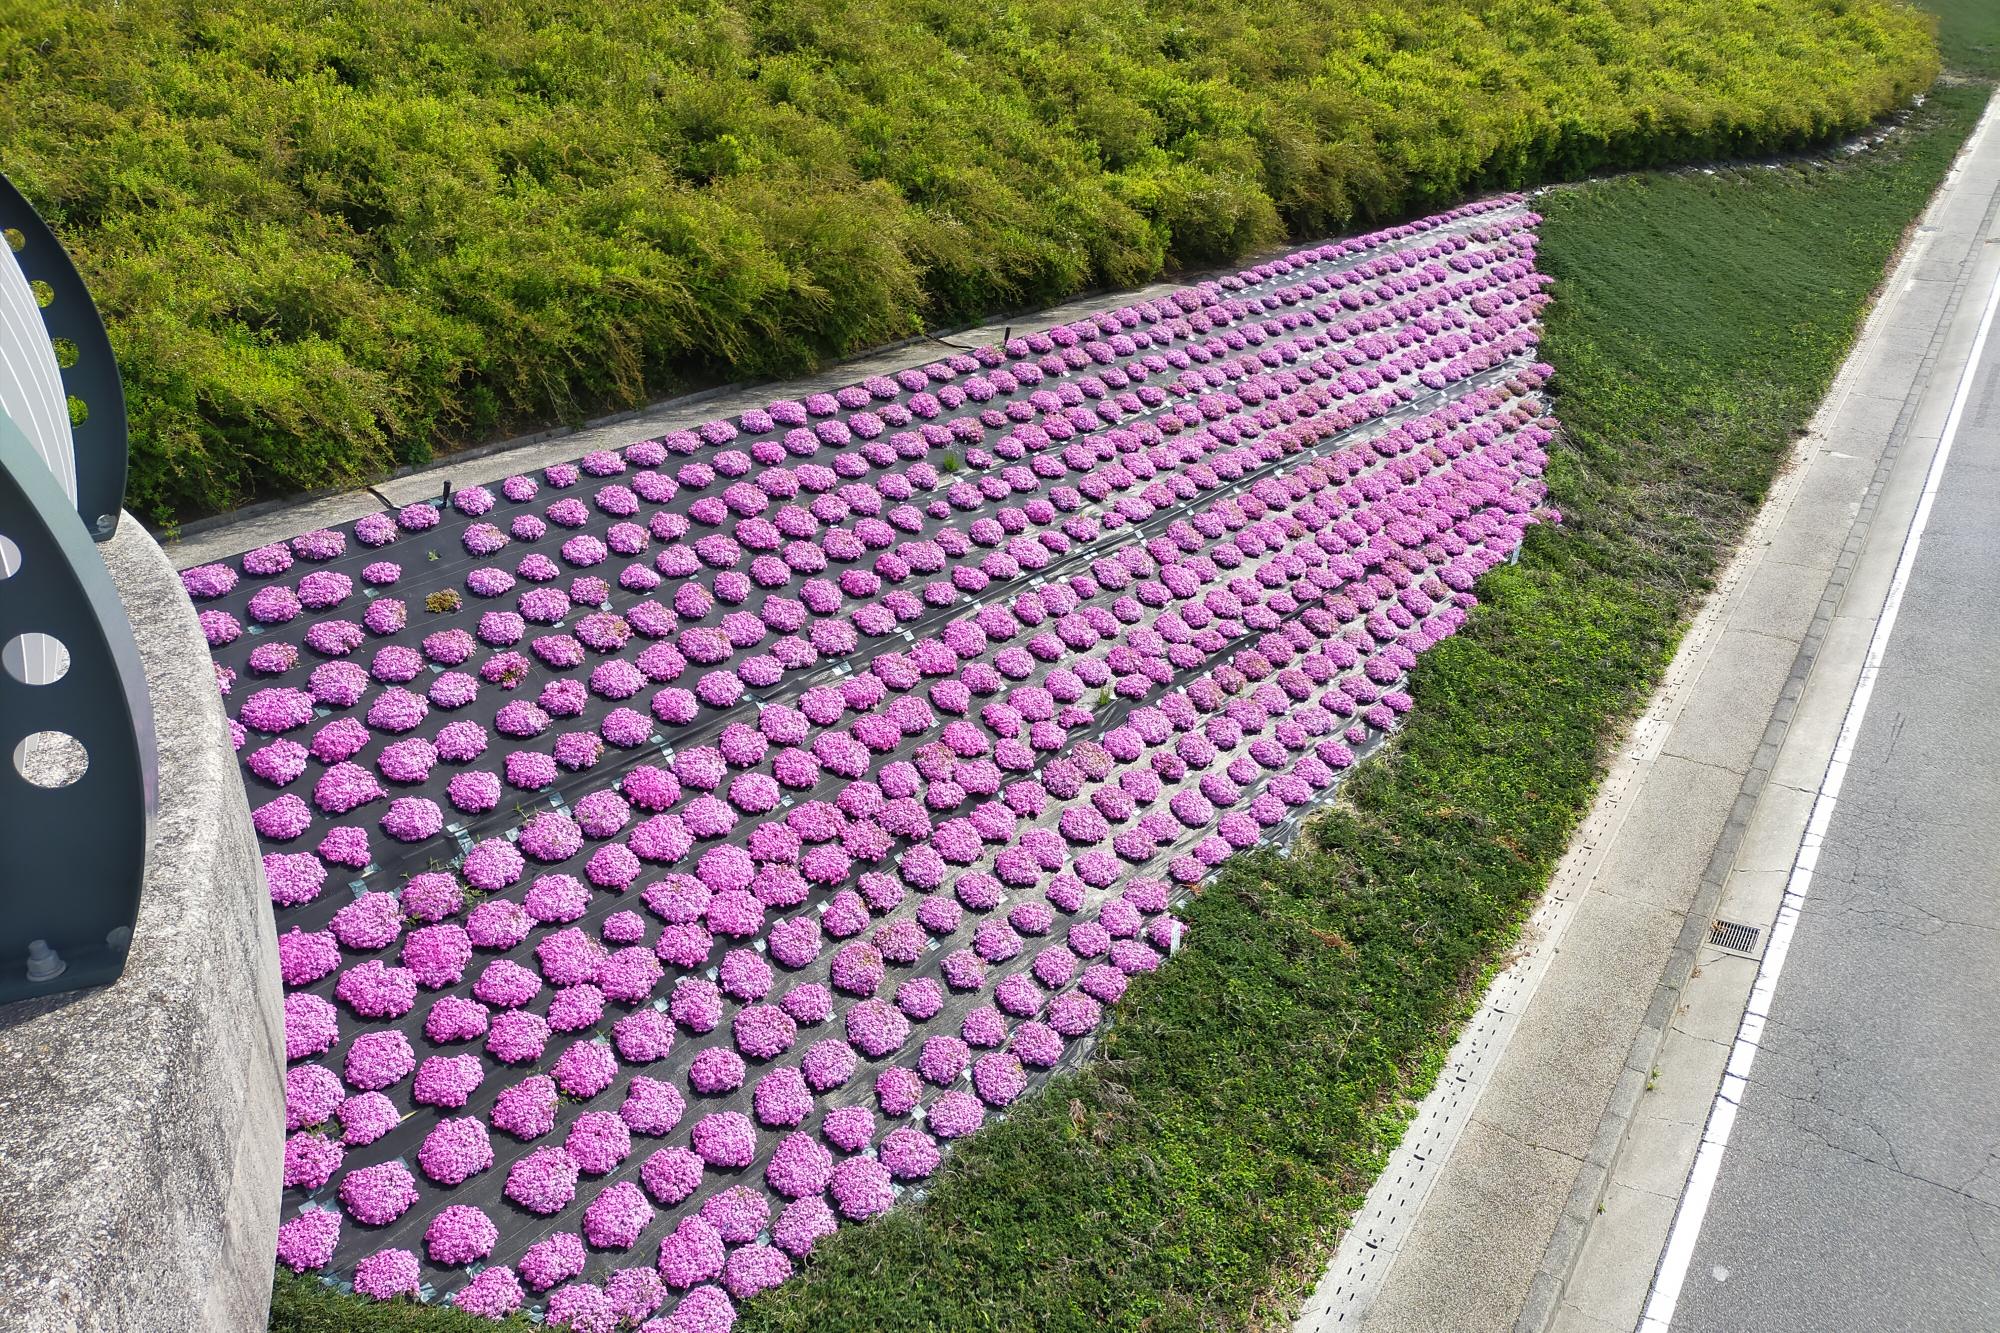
(1861, 1188)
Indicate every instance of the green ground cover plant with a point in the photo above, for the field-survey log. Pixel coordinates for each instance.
(330, 239)
(1968, 36)
(1194, 1174)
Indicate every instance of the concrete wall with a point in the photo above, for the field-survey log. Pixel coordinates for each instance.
(142, 1124)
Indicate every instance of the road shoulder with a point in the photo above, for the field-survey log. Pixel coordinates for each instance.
(1536, 1185)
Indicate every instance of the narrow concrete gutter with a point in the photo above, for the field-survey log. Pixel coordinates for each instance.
(1535, 1186)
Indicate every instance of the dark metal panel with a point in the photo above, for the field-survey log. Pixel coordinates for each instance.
(102, 439)
(72, 858)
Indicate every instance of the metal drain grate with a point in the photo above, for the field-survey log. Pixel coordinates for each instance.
(1734, 936)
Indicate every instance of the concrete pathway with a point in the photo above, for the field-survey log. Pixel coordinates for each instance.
(1539, 1183)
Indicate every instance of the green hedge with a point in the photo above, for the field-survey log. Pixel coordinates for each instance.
(330, 238)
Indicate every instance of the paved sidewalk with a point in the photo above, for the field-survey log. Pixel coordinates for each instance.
(1538, 1184)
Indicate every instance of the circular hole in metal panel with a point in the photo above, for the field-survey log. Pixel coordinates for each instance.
(51, 759)
(35, 658)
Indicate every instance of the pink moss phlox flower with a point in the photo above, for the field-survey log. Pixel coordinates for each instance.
(671, 1175)
(497, 924)
(616, 1216)
(312, 1026)
(998, 1078)
(1037, 1044)
(506, 984)
(586, 1068)
(459, 1234)
(366, 1117)
(582, 1307)
(693, 1253)
(387, 1274)
(310, 1161)
(377, 1060)
(808, 1003)
(956, 1114)
(276, 709)
(493, 1293)
(307, 1242)
(447, 1080)
(897, 1090)
(643, 1036)
(909, 1154)
(803, 1223)
(281, 819)
(312, 1094)
(345, 787)
(544, 1181)
(725, 1139)
(635, 1293)
(527, 1110)
(652, 1107)
(598, 1141)
(453, 1018)
(371, 921)
(983, 1027)
(376, 990)
(782, 1098)
(431, 896)
(738, 1214)
(378, 1195)
(455, 1150)
(754, 1268)
(861, 1188)
(493, 865)
(875, 1028)
(553, 1259)
(304, 957)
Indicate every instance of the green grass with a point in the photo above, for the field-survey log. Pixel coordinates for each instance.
(330, 238)
(305, 1305)
(1194, 1176)
(1968, 35)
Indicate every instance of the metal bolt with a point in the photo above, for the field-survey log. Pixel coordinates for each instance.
(43, 964)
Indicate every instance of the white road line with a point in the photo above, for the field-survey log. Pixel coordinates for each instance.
(1693, 1209)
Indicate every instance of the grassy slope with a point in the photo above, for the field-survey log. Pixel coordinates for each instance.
(1191, 1177)
(1968, 35)
(329, 237)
